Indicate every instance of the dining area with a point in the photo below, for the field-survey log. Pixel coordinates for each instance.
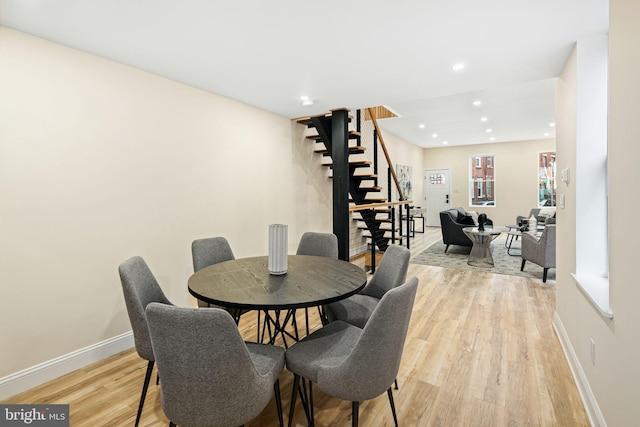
(454, 350)
(320, 324)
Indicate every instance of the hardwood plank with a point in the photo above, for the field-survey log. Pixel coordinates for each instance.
(481, 351)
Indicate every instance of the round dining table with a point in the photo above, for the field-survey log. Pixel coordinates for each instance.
(246, 284)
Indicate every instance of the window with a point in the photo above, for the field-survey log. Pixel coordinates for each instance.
(437, 179)
(547, 179)
(482, 180)
(591, 221)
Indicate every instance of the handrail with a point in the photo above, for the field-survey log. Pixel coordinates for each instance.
(356, 208)
(386, 153)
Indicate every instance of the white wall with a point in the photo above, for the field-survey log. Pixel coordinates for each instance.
(100, 162)
(516, 179)
(613, 378)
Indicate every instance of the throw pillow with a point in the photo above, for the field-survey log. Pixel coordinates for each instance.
(523, 224)
(467, 220)
(547, 212)
(474, 216)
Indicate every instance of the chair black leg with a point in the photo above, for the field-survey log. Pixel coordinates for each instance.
(446, 249)
(323, 315)
(355, 407)
(147, 378)
(393, 407)
(522, 266)
(312, 419)
(396, 383)
(544, 275)
(294, 395)
(276, 390)
(306, 319)
(258, 328)
(171, 424)
(294, 323)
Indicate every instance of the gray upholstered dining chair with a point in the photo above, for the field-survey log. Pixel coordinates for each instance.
(210, 376)
(540, 250)
(391, 272)
(140, 288)
(210, 251)
(317, 244)
(351, 363)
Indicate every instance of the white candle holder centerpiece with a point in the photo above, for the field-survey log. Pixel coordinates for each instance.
(278, 249)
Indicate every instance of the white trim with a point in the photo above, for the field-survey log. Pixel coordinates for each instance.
(596, 419)
(39, 374)
(596, 289)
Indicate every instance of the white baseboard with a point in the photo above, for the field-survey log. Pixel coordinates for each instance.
(54, 368)
(588, 399)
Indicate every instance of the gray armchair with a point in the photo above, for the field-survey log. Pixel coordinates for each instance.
(540, 219)
(140, 288)
(210, 376)
(391, 273)
(540, 250)
(452, 221)
(351, 363)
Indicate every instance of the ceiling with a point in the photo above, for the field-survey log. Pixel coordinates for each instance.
(352, 54)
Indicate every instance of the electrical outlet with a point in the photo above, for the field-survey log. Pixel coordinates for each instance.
(592, 351)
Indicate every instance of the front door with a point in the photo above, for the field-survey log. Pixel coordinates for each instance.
(437, 194)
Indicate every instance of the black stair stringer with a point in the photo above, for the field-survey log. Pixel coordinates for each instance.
(377, 234)
(323, 124)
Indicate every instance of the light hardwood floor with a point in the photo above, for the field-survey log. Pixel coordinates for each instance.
(481, 351)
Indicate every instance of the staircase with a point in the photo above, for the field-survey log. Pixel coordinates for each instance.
(379, 225)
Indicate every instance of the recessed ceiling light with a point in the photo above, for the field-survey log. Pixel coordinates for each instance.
(458, 67)
(421, 126)
(434, 135)
(477, 103)
(483, 119)
(552, 125)
(445, 142)
(489, 130)
(546, 134)
(492, 139)
(306, 101)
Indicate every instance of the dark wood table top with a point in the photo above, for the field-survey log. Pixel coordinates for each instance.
(247, 284)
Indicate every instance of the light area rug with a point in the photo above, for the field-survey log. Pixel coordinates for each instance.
(457, 256)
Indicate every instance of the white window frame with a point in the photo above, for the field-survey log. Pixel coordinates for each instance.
(592, 251)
